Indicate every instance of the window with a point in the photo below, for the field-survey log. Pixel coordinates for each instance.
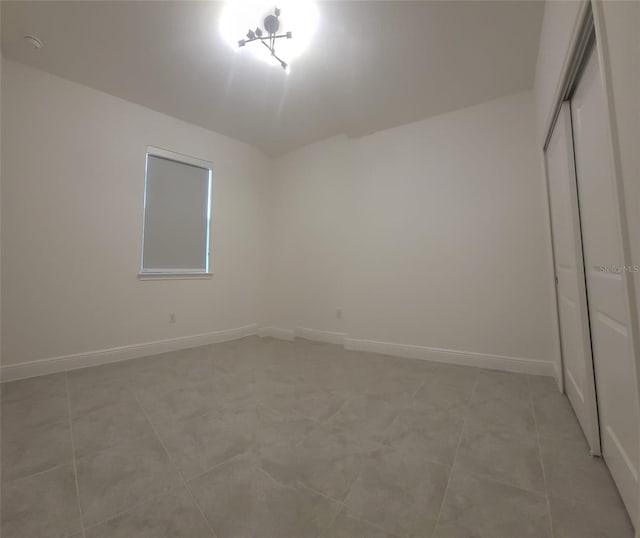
(177, 214)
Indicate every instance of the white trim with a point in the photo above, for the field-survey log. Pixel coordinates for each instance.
(557, 368)
(11, 372)
(64, 363)
(174, 276)
(464, 358)
(320, 336)
(561, 86)
(179, 157)
(555, 316)
(275, 332)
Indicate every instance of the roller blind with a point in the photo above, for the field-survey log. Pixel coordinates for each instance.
(176, 216)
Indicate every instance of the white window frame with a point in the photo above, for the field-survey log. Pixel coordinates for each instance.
(181, 274)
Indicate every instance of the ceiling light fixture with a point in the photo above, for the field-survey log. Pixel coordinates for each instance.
(271, 25)
(299, 18)
(33, 41)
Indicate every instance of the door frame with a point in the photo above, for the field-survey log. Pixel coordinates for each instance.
(589, 25)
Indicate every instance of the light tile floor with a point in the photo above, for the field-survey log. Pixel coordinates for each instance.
(270, 439)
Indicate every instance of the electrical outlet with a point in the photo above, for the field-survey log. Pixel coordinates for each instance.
(339, 313)
(172, 317)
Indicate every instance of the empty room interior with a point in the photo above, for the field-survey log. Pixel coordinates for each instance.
(320, 269)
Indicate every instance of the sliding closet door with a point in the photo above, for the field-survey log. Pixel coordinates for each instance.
(606, 285)
(577, 363)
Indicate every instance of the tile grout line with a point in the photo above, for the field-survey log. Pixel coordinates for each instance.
(387, 437)
(455, 455)
(325, 531)
(337, 411)
(544, 475)
(37, 473)
(177, 469)
(209, 469)
(415, 393)
(489, 478)
(73, 453)
(129, 509)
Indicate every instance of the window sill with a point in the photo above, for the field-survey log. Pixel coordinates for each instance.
(174, 276)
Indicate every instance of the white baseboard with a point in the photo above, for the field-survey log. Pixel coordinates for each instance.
(53, 365)
(557, 373)
(463, 358)
(275, 332)
(320, 336)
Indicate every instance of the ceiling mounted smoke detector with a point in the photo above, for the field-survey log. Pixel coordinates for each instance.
(33, 41)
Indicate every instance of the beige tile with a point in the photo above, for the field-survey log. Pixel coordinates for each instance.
(576, 520)
(32, 450)
(174, 515)
(541, 386)
(505, 386)
(461, 377)
(383, 451)
(233, 361)
(277, 438)
(26, 414)
(96, 375)
(43, 388)
(274, 427)
(157, 374)
(232, 391)
(434, 434)
(442, 397)
(476, 507)
(179, 404)
(309, 401)
(90, 390)
(347, 527)
(195, 364)
(510, 414)
(119, 477)
(555, 417)
(239, 500)
(225, 496)
(107, 426)
(44, 505)
(377, 376)
(201, 443)
(572, 473)
(505, 456)
(328, 460)
(34, 402)
(400, 491)
(367, 416)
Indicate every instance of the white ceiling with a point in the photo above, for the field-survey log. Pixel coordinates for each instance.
(371, 65)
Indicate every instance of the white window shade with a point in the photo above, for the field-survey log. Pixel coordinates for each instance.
(176, 215)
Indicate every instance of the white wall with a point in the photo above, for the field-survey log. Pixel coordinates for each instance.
(73, 177)
(431, 234)
(309, 205)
